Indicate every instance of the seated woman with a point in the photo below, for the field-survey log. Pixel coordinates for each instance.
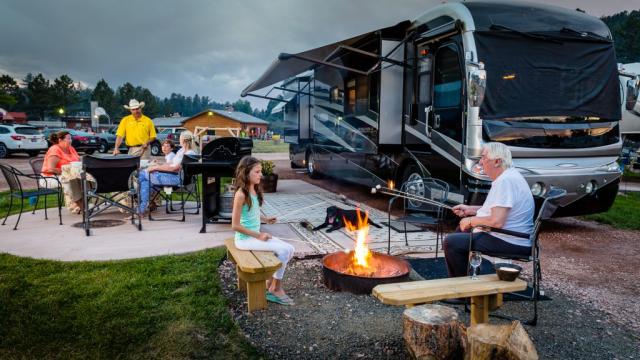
(509, 205)
(165, 174)
(62, 153)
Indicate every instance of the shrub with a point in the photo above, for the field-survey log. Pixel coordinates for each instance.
(267, 167)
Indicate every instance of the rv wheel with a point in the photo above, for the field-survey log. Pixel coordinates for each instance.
(413, 175)
(311, 166)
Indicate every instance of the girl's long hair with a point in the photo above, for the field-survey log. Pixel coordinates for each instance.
(242, 179)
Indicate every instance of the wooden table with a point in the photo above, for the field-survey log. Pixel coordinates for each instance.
(484, 292)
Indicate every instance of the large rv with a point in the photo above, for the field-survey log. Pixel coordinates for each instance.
(420, 98)
(629, 92)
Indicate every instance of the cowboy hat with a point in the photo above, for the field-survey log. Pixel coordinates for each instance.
(134, 104)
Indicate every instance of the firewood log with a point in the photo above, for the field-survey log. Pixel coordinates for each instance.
(499, 342)
(433, 332)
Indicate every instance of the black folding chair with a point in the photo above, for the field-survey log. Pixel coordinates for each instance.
(548, 205)
(114, 182)
(13, 175)
(421, 212)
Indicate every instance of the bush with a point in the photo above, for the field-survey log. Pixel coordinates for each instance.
(267, 167)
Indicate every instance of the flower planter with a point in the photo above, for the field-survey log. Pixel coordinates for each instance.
(269, 183)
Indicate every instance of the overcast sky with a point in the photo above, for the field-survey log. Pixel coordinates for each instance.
(212, 48)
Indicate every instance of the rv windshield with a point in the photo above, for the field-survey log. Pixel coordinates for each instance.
(548, 76)
(558, 135)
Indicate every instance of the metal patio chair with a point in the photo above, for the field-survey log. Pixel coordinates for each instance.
(13, 175)
(545, 207)
(114, 177)
(418, 212)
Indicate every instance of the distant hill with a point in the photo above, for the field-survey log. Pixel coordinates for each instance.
(625, 28)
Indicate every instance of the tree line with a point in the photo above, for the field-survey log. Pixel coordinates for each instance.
(39, 97)
(625, 28)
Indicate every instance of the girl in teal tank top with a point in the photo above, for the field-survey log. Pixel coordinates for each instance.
(245, 221)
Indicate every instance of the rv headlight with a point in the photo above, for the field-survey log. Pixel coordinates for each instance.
(537, 189)
(590, 187)
(613, 167)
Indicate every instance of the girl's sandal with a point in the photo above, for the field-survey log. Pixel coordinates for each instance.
(276, 299)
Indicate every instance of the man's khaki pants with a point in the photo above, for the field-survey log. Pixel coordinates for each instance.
(137, 151)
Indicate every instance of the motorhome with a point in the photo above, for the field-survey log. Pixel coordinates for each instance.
(419, 99)
(630, 125)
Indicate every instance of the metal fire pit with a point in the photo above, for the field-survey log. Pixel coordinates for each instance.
(389, 269)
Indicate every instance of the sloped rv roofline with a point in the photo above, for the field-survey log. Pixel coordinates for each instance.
(457, 11)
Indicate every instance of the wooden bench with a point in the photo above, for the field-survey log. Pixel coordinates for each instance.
(253, 269)
(485, 293)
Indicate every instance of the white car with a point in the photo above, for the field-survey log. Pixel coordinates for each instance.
(21, 138)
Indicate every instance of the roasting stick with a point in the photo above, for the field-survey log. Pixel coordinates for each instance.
(408, 196)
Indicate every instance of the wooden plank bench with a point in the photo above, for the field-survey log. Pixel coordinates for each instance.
(253, 269)
(485, 293)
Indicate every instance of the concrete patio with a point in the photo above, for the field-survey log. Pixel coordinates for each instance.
(295, 200)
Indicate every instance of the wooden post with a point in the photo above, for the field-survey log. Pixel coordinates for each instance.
(479, 310)
(433, 332)
(256, 299)
(242, 285)
(501, 342)
(495, 302)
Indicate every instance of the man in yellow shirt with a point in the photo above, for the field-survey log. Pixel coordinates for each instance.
(137, 130)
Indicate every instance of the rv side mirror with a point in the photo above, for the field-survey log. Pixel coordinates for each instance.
(633, 85)
(413, 114)
(477, 85)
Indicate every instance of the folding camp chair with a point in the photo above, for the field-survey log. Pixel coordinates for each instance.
(548, 205)
(188, 189)
(13, 175)
(114, 182)
(421, 212)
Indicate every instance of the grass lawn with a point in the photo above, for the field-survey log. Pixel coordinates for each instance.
(163, 307)
(267, 146)
(625, 212)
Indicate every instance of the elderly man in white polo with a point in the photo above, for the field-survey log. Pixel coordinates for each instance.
(137, 130)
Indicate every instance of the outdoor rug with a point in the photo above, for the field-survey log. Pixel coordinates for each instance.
(431, 269)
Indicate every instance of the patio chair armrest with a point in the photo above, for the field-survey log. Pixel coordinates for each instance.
(502, 231)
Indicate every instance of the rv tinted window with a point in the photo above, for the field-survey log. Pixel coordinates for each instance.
(448, 79)
(545, 135)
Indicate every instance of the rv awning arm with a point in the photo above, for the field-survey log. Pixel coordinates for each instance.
(297, 92)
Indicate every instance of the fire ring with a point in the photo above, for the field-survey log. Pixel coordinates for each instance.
(385, 269)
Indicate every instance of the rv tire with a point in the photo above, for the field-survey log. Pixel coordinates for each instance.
(311, 166)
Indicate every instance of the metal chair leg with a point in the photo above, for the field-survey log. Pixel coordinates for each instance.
(36, 205)
(59, 206)
(20, 214)
(9, 210)
(45, 208)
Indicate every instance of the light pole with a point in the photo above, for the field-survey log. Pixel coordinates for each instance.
(101, 112)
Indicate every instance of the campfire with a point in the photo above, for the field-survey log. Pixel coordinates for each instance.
(361, 269)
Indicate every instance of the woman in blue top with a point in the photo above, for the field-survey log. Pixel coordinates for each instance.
(245, 221)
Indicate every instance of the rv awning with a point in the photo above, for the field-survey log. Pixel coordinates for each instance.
(289, 65)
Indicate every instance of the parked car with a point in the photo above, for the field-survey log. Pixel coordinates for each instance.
(108, 141)
(80, 140)
(164, 134)
(21, 139)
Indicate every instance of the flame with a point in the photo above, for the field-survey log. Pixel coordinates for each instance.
(391, 184)
(361, 253)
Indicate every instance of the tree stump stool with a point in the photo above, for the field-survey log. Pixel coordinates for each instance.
(501, 342)
(433, 332)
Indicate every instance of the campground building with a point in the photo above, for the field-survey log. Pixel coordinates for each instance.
(250, 125)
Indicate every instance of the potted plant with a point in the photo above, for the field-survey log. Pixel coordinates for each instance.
(269, 180)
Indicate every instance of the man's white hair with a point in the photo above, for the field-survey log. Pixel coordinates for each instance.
(496, 150)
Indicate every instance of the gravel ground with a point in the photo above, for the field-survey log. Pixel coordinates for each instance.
(326, 324)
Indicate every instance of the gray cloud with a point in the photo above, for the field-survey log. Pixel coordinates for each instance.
(213, 48)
